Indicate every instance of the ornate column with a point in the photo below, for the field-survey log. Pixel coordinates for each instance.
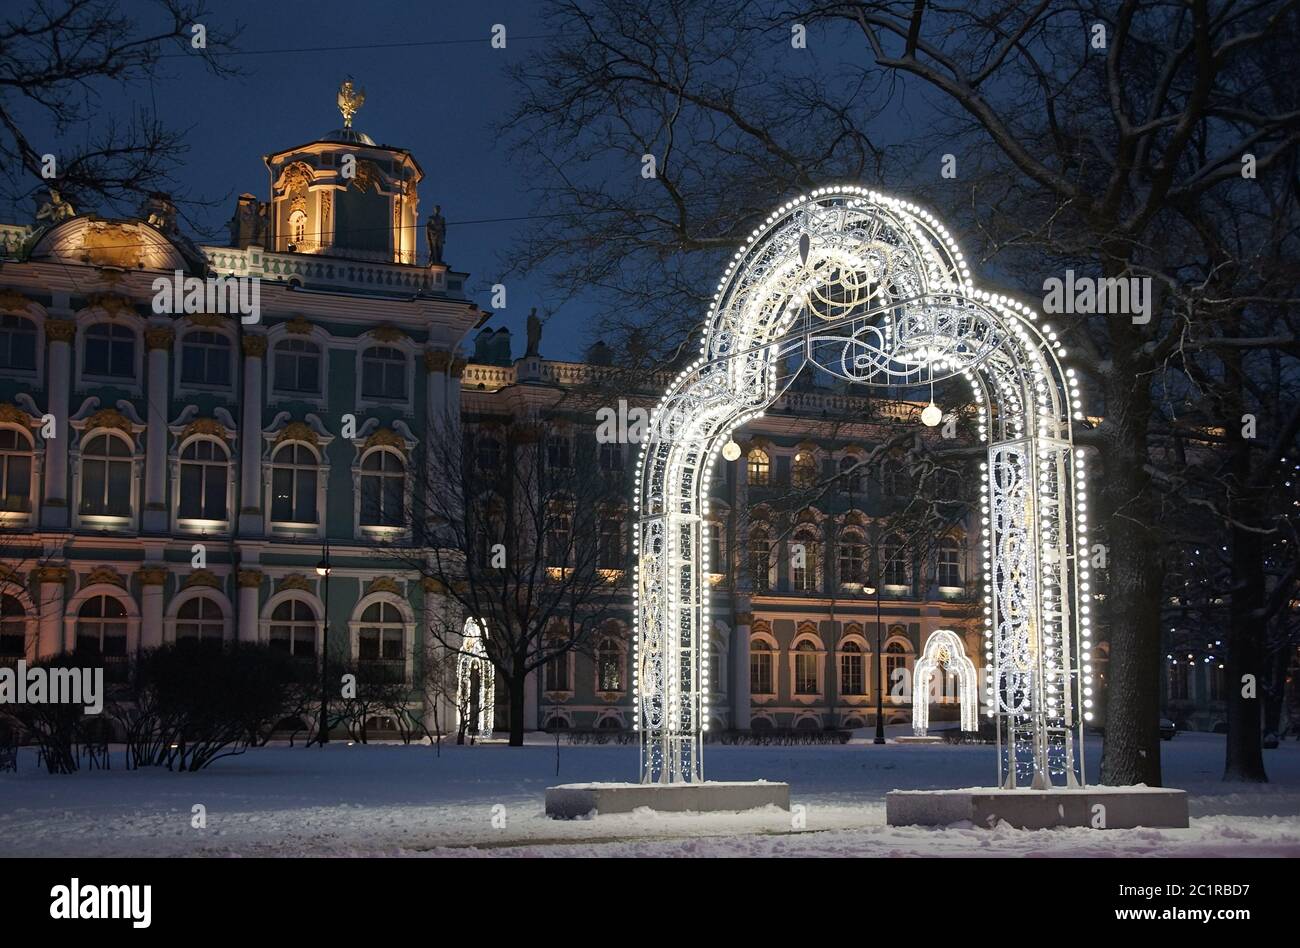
(59, 334)
(250, 438)
(151, 579)
(250, 586)
(740, 706)
(443, 389)
(51, 580)
(158, 341)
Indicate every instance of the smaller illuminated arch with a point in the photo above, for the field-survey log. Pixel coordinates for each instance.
(475, 684)
(943, 649)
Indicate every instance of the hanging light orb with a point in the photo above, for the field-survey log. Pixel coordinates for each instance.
(731, 451)
(931, 416)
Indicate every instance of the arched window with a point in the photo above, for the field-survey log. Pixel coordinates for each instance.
(806, 666)
(297, 367)
(106, 476)
(759, 468)
(557, 669)
(205, 475)
(853, 556)
(852, 679)
(850, 475)
(948, 564)
(109, 351)
(17, 344)
(804, 469)
(760, 560)
(383, 373)
(609, 666)
(205, 359)
(294, 470)
(559, 534)
(293, 629)
(381, 640)
(760, 669)
(298, 229)
(894, 563)
(13, 629)
(805, 559)
(15, 471)
(383, 489)
(101, 630)
(200, 619)
(895, 659)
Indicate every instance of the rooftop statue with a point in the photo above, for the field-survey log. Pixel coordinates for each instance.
(350, 101)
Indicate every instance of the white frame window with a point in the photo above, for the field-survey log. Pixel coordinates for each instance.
(295, 621)
(385, 374)
(16, 331)
(301, 460)
(117, 458)
(287, 356)
(201, 618)
(209, 348)
(382, 490)
(208, 459)
(13, 458)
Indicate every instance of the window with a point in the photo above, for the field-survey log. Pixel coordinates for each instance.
(17, 344)
(293, 629)
(297, 367)
(200, 619)
(383, 373)
(205, 359)
(381, 641)
(611, 544)
(15, 471)
(609, 666)
(611, 458)
(806, 661)
(1217, 678)
(804, 556)
(558, 453)
(106, 477)
(558, 532)
(853, 557)
(760, 560)
(489, 453)
(804, 470)
(894, 481)
(13, 628)
(850, 475)
(383, 489)
(557, 670)
(760, 669)
(717, 547)
(852, 679)
(109, 351)
(101, 630)
(293, 484)
(948, 569)
(1178, 690)
(297, 229)
(760, 468)
(895, 659)
(894, 563)
(204, 477)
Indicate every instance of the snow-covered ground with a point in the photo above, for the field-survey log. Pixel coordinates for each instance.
(487, 800)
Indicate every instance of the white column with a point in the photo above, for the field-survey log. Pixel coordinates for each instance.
(740, 706)
(51, 579)
(151, 606)
(250, 438)
(59, 334)
(250, 583)
(158, 342)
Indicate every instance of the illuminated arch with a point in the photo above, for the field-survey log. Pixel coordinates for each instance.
(473, 660)
(875, 291)
(944, 649)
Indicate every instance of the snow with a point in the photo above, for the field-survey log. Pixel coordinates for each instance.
(488, 800)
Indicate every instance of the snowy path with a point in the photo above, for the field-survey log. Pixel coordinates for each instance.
(393, 800)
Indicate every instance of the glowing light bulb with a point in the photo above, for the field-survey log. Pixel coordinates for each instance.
(931, 416)
(731, 451)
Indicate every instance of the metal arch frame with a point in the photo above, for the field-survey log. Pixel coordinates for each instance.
(473, 654)
(958, 662)
(890, 278)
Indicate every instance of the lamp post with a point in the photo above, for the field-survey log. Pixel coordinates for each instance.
(323, 570)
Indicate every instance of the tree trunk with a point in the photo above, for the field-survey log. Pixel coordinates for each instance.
(517, 681)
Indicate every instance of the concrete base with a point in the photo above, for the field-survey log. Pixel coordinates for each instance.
(574, 800)
(1093, 807)
(914, 739)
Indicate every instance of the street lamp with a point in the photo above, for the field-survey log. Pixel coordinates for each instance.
(880, 667)
(323, 570)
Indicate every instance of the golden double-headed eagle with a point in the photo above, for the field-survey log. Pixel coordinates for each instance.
(350, 101)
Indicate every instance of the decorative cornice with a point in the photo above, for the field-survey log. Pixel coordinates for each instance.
(207, 426)
(151, 575)
(60, 330)
(249, 579)
(13, 300)
(384, 584)
(110, 418)
(298, 326)
(203, 577)
(385, 437)
(14, 415)
(254, 346)
(298, 431)
(105, 574)
(51, 574)
(159, 338)
(295, 581)
(388, 333)
(112, 304)
(436, 360)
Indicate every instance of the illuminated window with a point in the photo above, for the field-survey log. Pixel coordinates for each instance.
(609, 666)
(759, 468)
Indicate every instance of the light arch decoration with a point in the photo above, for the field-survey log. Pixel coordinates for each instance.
(473, 660)
(875, 291)
(944, 649)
